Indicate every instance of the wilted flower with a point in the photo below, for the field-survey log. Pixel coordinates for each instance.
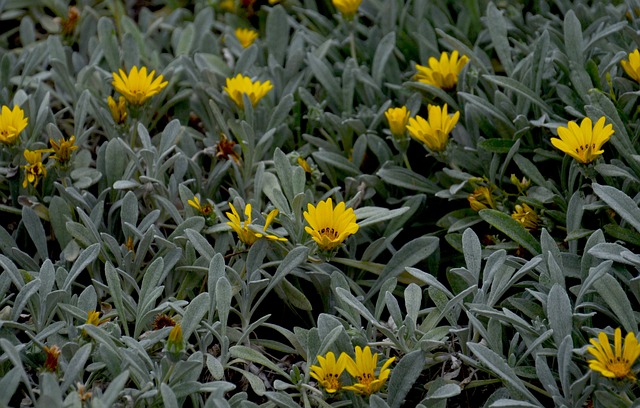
(243, 85)
(163, 320)
(138, 86)
(481, 198)
(62, 149)
(12, 122)
(329, 226)
(83, 394)
(348, 8)
(434, 132)
(246, 234)
(118, 110)
(93, 317)
(205, 210)
(51, 359)
(398, 119)
(129, 244)
(35, 170)
(246, 36)
(68, 25)
(363, 370)
(225, 150)
(583, 142)
(614, 363)
(329, 371)
(526, 216)
(522, 185)
(632, 67)
(443, 73)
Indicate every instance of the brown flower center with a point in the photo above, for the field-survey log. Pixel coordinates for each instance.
(365, 378)
(329, 232)
(619, 367)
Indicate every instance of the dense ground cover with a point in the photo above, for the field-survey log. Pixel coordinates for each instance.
(319, 203)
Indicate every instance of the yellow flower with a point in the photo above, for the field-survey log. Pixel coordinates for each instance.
(443, 73)
(329, 371)
(632, 67)
(175, 343)
(137, 86)
(240, 85)
(433, 132)
(329, 226)
(35, 169)
(12, 122)
(227, 5)
(93, 317)
(118, 110)
(614, 363)
(584, 142)
(481, 198)
(205, 210)
(51, 359)
(62, 149)
(304, 164)
(246, 234)
(526, 216)
(363, 370)
(398, 119)
(348, 8)
(246, 36)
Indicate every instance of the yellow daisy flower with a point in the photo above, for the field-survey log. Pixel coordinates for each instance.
(138, 86)
(329, 226)
(526, 216)
(329, 371)
(118, 109)
(363, 370)
(584, 142)
(614, 363)
(62, 149)
(348, 8)
(442, 73)
(398, 119)
(12, 122)
(304, 164)
(240, 85)
(632, 67)
(246, 36)
(35, 170)
(246, 234)
(434, 132)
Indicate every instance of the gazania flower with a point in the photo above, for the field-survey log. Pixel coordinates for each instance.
(632, 67)
(584, 142)
(481, 198)
(225, 149)
(398, 119)
(130, 245)
(304, 164)
(348, 8)
(246, 234)
(51, 359)
(163, 320)
(35, 170)
(205, 210)
(68, 25)
(62, 149)
(118, 110)
(614, 363)
(363, 370)
(329, 226)
(433, 132)
(93, 317)
(138, 86)
(12, 122)
(443, 73)
(246, 36)
(526, 216)
(241, 85)
(175, 342)
(329, 371)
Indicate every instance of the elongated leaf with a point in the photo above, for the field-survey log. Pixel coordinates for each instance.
(383, 52)
(194, 314)
(620, 203)
(403, 376)
(612, 293)
(512, 228)
(559, 313)
(255, 356)
(36, 231)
